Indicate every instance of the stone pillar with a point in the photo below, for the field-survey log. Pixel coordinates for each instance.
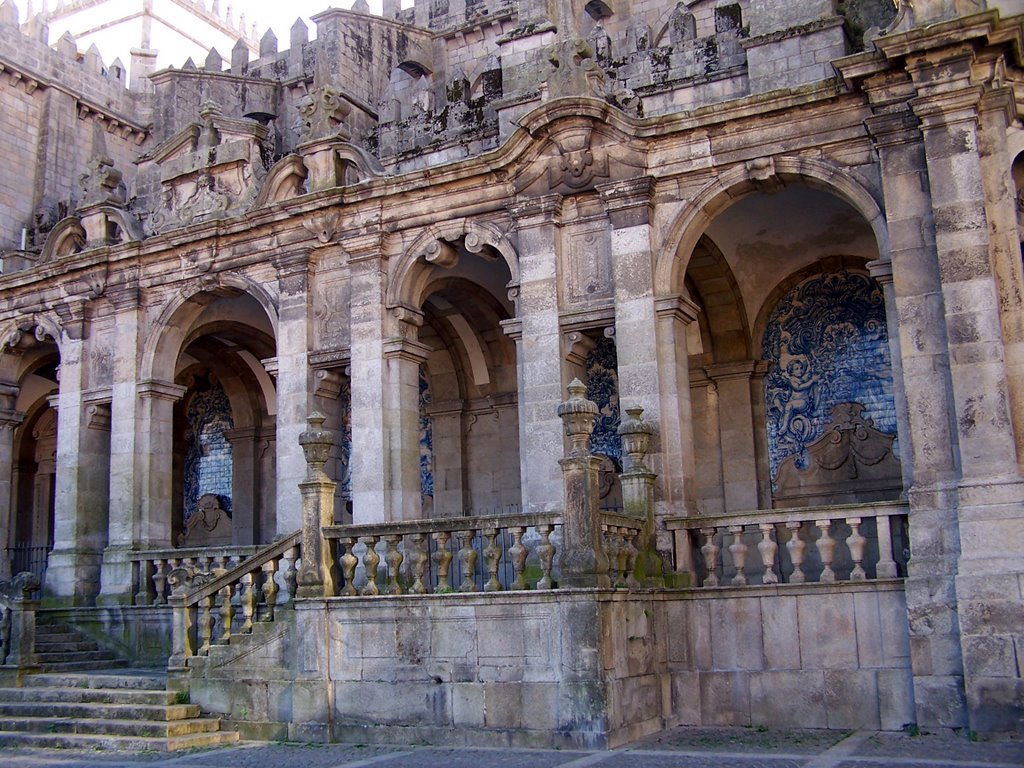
(674, 314)
(294, 380)
(245, 515)
(9, 421)
(737, 433)
(582, 560)
(451, 497)
(317, 490)
(404, 357)
(930, 443)
(21, 652)
(369, 441)
(971, 248)
(82, 483)
(538, 352)
(116, 576)
(638, 494)
(155, 441)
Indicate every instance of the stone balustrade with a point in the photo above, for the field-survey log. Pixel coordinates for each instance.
(152, 567)
(794, 546)
(491, 553)
(211, 605)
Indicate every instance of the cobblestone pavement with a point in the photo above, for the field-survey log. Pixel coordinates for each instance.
(678, 748)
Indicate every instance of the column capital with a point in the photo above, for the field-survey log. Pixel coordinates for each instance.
(628, 202)
(294, 268)
(364, 246)
(406, 349)
(125, 299)
(9, 418)
(677, 307)
(161, 390)
(742, 370)
(74, 316)
(948, 107)
(881, 271)
(537, 211)
(894, 128)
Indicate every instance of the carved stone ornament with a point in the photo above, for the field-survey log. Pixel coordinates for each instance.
(316, 445)
(575, 70)
(578, 165)
(324, 111)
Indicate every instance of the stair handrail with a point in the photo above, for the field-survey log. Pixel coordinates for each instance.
(190, 588)
(18, 620)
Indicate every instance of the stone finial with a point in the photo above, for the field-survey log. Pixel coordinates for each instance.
(93, 61)
(268, 45)
(323, 114)
(361, 6)
(578, 415)
(636, 439)
(316, 444)
(240, 57)
(214, 61)
(300, 34)
(67, 45)
(9, 13)
(209, 111)
(102, 183)
(189, 64)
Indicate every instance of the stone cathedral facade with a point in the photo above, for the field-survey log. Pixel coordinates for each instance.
(790, 233)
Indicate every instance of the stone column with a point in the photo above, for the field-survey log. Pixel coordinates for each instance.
(369, 442)
(930, 443)
(451, 497)
(404, 357)
(116, 576)
(80, 508)
(582, 560)
(538, 352)
(970, 241)
(674, 314)
(638, 494)
(155, 441)
(9, 421)
(245, 514)
(314, 579)
(294, 380)
(737, 433)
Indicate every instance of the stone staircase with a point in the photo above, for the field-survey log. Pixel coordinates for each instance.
(86, 698)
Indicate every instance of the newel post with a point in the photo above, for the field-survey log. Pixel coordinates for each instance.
(317, 491)
(638, 494)
(583, 562)
(18, 638)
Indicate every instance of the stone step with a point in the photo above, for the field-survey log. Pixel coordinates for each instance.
(137, 679)
(58, 637)
(81, 666)
(91, 695)
(106, 727)
(66, 646)
(63, 656)
(12, 709)
(11, 739)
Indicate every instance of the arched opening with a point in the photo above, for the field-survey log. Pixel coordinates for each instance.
(790, 329)
(223, 451)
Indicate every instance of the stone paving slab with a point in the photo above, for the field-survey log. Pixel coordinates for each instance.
(677, 748)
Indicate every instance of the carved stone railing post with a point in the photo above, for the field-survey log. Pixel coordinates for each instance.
(638, 494)
(18, 640)
(583, 562)
(317, 490)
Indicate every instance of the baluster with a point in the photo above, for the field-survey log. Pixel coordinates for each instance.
(855, 541)
(159, 583)
(630, 553)
(418, 563)
(348, 566)
(467, 558)
(739, 554)
(371, 561)
(886, 568)
(270, 588)
(394, 558)
(492, 560)
(613, 543)
(205, 624)
(767, 547)
(442, 560)
(142, 594)
(518, 553)
(826, 546)
(291, 573)
(796, 545)
(710, 551)
(546, 553)
(227, 614)
(248, 601)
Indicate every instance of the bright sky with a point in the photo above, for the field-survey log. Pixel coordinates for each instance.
(274, 14)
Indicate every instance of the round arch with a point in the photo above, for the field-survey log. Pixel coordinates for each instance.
(743, 180)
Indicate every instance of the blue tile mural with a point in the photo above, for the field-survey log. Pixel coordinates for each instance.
(426, 441)
(207, 450)
(826, 343)
(603, 389)
(345, 473)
